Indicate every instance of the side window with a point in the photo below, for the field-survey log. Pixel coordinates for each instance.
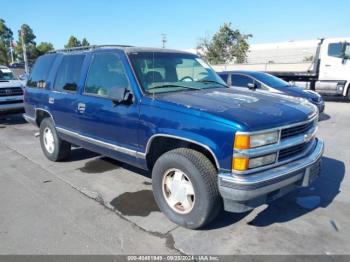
(106, 74)
(347, 51)
(41, 71)
(224, 77)
(335, 49)
(240, 80)
(68, 73)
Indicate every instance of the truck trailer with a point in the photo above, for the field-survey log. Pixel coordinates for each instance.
(324, 68)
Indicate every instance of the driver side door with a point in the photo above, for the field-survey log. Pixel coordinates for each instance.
(107, 127)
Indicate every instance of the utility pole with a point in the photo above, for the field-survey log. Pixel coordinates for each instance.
(164, 40)
(11, 50)
(24, 53)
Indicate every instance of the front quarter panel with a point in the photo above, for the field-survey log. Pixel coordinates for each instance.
(158, 118)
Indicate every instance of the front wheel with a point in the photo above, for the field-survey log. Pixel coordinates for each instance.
(185, 187)
(54, 148)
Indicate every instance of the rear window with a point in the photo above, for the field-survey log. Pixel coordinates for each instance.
(68, 73)
(41, 71)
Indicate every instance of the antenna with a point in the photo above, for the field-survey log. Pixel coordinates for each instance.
(164, 39)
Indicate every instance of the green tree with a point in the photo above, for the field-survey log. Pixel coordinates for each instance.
(73, 42)
(44, 47)
(84, 42)
(227, 45)
(6, 36)
(29, 40)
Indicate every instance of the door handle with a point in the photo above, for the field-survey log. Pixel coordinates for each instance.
(51, 100)
(327, 65)
(81, 107)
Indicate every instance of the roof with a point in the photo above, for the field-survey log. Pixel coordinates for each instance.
(154, 49)
(255, 74)
(126, 48)
(246, 72)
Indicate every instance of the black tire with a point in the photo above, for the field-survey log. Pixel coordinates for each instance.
(203, 175)
(61, 148)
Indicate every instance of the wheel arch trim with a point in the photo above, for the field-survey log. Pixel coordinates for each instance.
(206, 147)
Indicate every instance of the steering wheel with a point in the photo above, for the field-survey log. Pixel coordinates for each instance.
(187, 77)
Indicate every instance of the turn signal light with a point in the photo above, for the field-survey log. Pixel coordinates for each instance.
(240, 163)
(242, 142)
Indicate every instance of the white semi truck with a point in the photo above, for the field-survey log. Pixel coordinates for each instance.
(326, 71)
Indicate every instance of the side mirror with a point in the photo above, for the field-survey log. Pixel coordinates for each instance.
(120, 96)
(345, 51)
(252, 86)
(23, 77)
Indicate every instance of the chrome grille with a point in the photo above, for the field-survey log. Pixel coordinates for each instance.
(296, 130)
(291, 151)
(11, 91)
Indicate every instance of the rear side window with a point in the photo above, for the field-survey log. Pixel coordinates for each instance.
(68, 73)
(240, 80)
(106, 74)
(41, 71)
(335, 49)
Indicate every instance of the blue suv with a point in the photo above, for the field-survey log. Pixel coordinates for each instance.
(208, 146)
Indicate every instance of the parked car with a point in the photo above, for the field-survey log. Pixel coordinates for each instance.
(17, 65)
(167, 111)
(263, 81)
(11, 92)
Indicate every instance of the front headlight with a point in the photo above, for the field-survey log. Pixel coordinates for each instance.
(243, 141)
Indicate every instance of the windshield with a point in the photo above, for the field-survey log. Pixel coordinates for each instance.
(6, 74)
(271, 80)
(160, 72)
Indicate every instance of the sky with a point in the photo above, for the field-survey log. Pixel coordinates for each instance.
(141, 22)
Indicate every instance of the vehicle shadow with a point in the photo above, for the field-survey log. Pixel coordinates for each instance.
(99, 164)
(11, 119)
(304, 200)
(79, 153)
(225, 219)
(336, 99)
(323, 117)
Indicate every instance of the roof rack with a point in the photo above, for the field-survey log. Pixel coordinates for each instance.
(90, 47)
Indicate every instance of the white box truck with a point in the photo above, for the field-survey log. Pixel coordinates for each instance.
(326, 71)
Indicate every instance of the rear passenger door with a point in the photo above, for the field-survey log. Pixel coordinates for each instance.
(63, 101)
(107, 127)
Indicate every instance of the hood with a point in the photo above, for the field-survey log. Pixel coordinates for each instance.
(300, 92)
(250, 109)
(10, 83)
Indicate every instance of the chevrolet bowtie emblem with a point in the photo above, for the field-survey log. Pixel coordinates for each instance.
(307, 137)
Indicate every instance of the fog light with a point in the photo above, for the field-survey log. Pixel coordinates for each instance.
(240, 163)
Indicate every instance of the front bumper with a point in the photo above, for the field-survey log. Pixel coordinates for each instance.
(243, 193)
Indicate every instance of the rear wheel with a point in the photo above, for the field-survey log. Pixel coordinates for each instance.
(185, 187)
(54, 148)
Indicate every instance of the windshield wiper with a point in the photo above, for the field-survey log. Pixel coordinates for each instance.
(172, 85)
(211, 82)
